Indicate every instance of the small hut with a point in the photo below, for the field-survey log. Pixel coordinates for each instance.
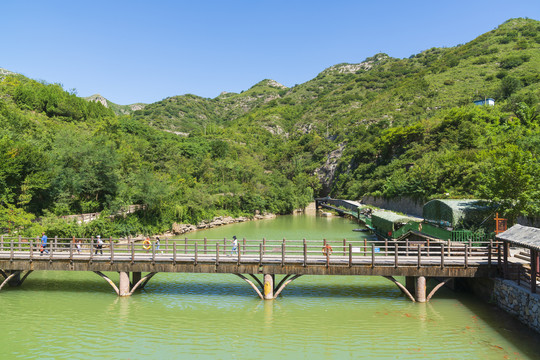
(523, 237)
(457, 213)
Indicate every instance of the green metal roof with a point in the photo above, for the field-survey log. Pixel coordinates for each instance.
(457, 212)
(385, 220)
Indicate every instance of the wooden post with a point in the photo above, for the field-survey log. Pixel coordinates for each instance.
(112, 250)
(20, 241)
(264, 245)
(11, 251)
(224, 245)
(2, 243)
(489, 255)
(196, 254)
(71, 252)
(419, 256)
(466, 256)
(499, 263)
(244, 246)
(385, 247)
(132, 245)
(31, 250)
(344, 246)
(350, 255)
(91, 250)
(305, 253)
(534, 263)
(365, 247)
(217, 254)
(505, 257)
(166, 244)
(185, 245)
(174, 252)
(283, 254)
(372, 255)
(205, 240)
(153, 253)
(238, 252)
(55, 242)
(396, 252)
(260, 253)
(406, 247)
(442, 256)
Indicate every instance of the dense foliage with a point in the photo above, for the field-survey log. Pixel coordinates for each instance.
(407, 127)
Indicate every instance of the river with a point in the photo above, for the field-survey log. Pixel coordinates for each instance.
(70, 315)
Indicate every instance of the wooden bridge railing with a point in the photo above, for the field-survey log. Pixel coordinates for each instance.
(306, 252)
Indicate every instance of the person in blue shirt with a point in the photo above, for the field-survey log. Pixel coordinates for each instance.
(43, 244)
(234, 246)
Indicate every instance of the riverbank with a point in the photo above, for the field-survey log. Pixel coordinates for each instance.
(179, 229)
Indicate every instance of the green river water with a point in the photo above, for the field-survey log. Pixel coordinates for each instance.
(71, 315)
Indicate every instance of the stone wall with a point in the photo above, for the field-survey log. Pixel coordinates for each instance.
(512, 298)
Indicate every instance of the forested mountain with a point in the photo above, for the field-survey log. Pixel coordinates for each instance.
(387, 127)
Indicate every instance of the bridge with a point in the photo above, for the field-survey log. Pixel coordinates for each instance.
(257, 262)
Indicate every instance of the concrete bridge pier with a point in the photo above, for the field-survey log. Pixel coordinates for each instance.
(126, 287)
(268, 286)
(420, 285)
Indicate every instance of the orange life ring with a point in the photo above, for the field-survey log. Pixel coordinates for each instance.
(327, 249)
(147, 244)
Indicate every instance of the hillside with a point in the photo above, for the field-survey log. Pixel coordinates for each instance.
(384, 127)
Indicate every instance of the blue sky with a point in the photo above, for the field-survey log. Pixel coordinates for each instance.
(144, 51)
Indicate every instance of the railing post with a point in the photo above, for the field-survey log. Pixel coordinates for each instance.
(71, 252)
(31, 250)
(350, 255)
(91, 250)
(466, 256)
(244, 246)
(132, 245)
(153, 253)
(305, 253)
(427, 251)
(344, 246)
(407, 247)
(174, 253)
(111, 246)
(224, 245)
(196, 254)
(442, 256)
(238, 252)
(419, 256)
(489, 255)
(20, 241)
(372, 255)
(396, 253)
(385, 247)
(449, 248)
(11, 250)
(283, 254)
(205, 240)
(217, 254)
(365, 247)
(264, 246)
(260, 253)
(2, 243)
(55, 242)
(185, 245)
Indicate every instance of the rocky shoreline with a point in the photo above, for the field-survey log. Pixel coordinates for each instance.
(179, 229)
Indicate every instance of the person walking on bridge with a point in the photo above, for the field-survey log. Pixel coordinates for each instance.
(99, 246)
(234, 246)
(43, 244)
